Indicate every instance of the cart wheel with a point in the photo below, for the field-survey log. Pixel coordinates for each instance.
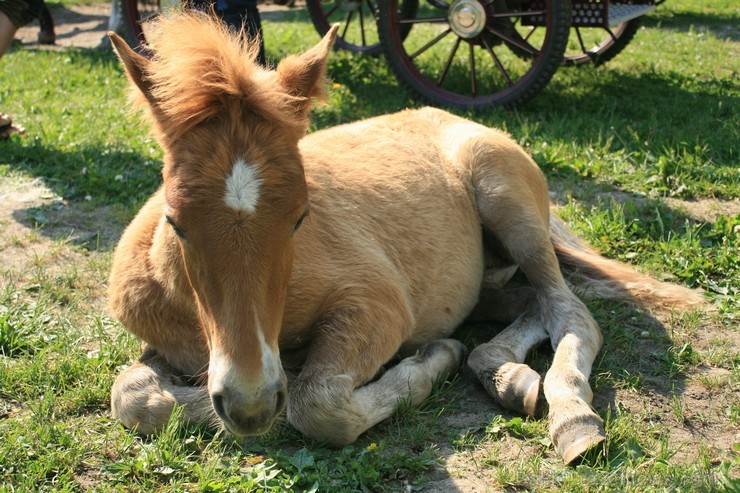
(357, 18)
(476, 53)
(604, 43)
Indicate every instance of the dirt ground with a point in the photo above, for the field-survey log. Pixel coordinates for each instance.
(83, 27)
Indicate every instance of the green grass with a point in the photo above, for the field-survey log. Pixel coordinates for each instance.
(642, 158)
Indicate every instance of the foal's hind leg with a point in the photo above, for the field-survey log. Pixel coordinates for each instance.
(499, 364)
(513, 204)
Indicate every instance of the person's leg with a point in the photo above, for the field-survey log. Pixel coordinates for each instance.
(14, 14)
(7, 32)
(238, 13)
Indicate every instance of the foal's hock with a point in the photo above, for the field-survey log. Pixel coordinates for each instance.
(327, 254)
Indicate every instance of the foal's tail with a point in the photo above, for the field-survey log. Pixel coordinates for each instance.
(597, 277)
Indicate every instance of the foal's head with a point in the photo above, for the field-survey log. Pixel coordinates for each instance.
(235, 194)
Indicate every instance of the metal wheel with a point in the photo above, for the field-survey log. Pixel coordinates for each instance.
(476, 53)
(357, 18)
(598, 45)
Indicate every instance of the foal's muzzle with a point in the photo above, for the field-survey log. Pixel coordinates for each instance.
(253, 414)
(248, 404)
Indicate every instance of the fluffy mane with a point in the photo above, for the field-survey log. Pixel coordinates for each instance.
(200, 66)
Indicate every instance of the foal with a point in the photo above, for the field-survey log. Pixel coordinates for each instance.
(328, 254)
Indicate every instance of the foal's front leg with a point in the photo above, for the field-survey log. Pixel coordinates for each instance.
(331, 401)
(144, 395)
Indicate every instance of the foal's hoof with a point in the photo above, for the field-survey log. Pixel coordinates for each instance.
(576, 436)
(517, 387)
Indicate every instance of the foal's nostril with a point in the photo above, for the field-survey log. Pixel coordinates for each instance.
(248, 417)
(218, 405)
(280, 401)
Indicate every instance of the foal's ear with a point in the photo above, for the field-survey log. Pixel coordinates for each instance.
(134, 64)
(303, 75)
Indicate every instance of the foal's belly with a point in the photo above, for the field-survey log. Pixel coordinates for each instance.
(448, 297)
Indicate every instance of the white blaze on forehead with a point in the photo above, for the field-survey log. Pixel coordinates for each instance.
(243, 187)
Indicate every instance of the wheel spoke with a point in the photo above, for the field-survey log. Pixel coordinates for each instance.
(449, 63)
(473, 85)
(346, 25)
(530, 33)
(424, 19)
(580, 41)
(498, 63)
(331, 11)
(362, 27)
(440, 4)
(518, 42)
(372, 6)
(614, 38)
(430, 44)
(518, 13)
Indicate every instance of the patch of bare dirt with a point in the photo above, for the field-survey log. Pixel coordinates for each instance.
(43, 231)
(8, 406)
(84, 26)
(705, 209)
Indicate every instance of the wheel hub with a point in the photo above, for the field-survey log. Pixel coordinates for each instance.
(467, 18)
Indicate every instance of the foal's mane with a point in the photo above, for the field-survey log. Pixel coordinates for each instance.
(200, 67)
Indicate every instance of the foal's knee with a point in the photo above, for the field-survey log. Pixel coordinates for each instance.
(138, 401)
(145, 394)
(324, 410)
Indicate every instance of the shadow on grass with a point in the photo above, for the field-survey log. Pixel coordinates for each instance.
(584, 104)
(581, 104)
(105, 176)
(721, 26)
(98, 190)
(295, 14)
(90, 228)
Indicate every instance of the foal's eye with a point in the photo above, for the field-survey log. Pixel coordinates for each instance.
(300, 221)
(177, 230)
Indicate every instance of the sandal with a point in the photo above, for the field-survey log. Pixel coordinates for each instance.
(8, 128)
